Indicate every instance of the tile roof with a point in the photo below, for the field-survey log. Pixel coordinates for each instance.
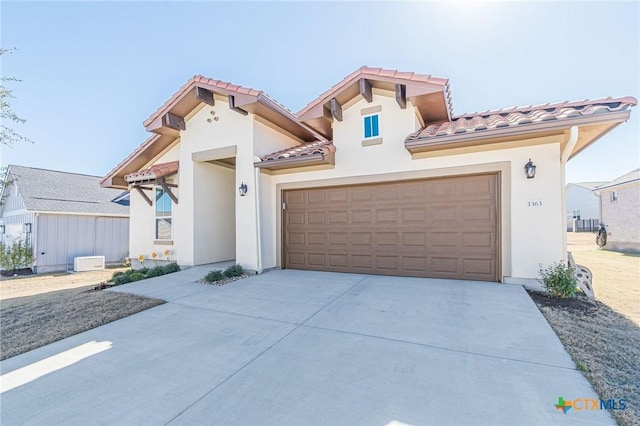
(632, 176)
(213, 83)
(54, 191)
(302, 150)
(508, 118)
(156, 171)
(366, 71)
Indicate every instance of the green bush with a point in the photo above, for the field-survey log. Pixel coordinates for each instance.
(214, 276)
(156, 272)
(16, 254)
(171, 267)
(234, 271)
(559, 280)
(143, 271)
(121, 279)
(115, 275)
(137, 276)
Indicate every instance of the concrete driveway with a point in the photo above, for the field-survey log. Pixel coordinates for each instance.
(295, 348)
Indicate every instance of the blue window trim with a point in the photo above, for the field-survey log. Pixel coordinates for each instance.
(371, 126)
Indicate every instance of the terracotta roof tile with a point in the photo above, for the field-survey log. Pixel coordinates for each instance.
(518, 116)
(309, 148)
(372, 73)
(208, 82)
(156, 171)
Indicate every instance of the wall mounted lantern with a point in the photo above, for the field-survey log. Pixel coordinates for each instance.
(27, 228)
(2, 229)
(242, 189)
(530, 169)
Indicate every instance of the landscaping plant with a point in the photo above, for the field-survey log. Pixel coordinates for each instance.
(214, 276)
(132, 275)
(559, 280)
(233, 271)
(15, 254)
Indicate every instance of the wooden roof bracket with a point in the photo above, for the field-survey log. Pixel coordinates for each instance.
(144, 196)
(232, 105)
(163, 183)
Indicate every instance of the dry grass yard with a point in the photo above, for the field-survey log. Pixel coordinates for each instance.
(29, 322)
(603, 336)
(11, 288)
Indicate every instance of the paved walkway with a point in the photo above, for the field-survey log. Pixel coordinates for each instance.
(294, 347)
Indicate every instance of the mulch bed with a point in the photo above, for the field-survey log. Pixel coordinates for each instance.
(604, 344)
(33, 321)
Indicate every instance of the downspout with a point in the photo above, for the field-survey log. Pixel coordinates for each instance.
(258, 210)
(571, 143)
(564, 157)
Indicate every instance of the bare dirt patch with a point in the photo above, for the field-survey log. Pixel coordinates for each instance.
(604, 344)
(616, 276)
(11, 288)
(29, 322)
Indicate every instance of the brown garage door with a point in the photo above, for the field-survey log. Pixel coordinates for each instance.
(443, 228)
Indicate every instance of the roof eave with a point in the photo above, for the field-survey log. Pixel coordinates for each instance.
(443, 142)
(296, 162)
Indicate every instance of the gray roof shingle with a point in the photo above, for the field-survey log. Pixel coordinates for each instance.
(54, 191)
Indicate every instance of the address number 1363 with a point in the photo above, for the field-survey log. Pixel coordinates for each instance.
(535, 203)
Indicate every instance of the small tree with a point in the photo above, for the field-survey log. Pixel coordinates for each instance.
(15, 254)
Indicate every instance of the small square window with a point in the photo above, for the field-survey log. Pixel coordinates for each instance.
(614, 196)
(371, 128)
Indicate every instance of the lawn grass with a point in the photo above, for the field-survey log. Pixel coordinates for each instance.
(29, 322)
(603, 336)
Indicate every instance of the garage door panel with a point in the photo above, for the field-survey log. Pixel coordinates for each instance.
(444, 228)
(387, 216)
(315, 218)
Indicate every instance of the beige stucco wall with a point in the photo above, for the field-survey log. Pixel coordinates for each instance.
(142, 217)
(213, 213)
(211, 222)
(621, 217)
(530, 235)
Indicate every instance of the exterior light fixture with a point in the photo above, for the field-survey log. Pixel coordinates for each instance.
(27, 228)
(2, 229)
(242, 189)
(530, 169)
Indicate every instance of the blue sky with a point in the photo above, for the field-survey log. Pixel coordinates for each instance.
(93, 71)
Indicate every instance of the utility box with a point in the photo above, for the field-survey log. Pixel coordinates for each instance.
(88, 263)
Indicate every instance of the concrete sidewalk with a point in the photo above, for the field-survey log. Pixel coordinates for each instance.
(294, 347)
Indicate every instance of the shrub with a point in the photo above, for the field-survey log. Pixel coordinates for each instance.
(137, 276)
(234, 271)
(143, 271)
(115, 275)
(171, 267)
(559, 280)
(214, 276)
(16, 254)
(121, 279)
(156, 272)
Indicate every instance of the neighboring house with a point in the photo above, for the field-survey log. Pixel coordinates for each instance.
(620, 211)
(63, 215)
(582, 203)
(376, 175)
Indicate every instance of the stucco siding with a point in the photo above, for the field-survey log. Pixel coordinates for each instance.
(267, 140)
(621, 218)
(214, 213)
(529, 206)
